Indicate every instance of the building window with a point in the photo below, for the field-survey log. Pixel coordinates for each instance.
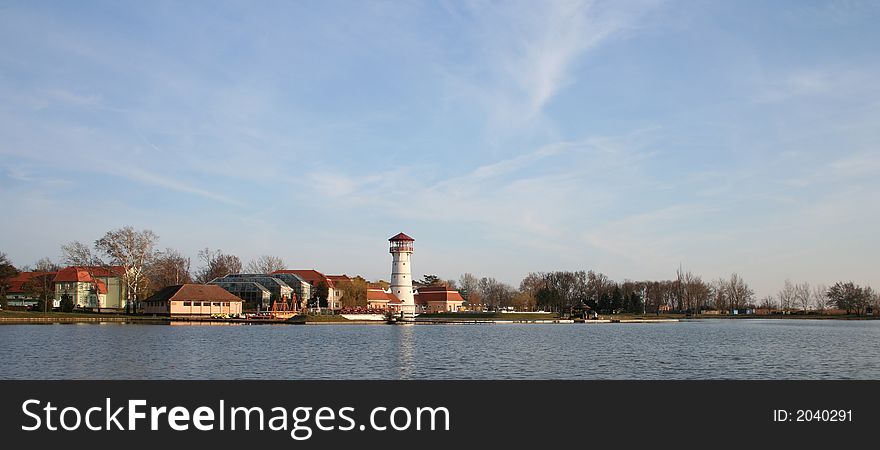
(216, 303)
(187, 303)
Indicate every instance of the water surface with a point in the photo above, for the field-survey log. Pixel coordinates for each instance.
(706, 349)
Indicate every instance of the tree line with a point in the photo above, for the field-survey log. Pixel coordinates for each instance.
(563, 291)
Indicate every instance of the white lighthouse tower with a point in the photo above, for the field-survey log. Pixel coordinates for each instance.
(401, 274)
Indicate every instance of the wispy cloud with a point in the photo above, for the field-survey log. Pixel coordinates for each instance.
(527, 52)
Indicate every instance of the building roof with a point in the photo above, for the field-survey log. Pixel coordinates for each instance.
(311, 276)
(193, 292)
(336, 278)
(401, 237)
(82, 274)
(437, 294)
(379, 295)
(17, 283)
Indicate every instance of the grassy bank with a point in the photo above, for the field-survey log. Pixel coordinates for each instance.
(487, 316)
(318, 318)
(7, 316)
(740, 316)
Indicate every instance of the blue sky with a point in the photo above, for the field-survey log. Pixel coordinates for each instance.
(506, 137)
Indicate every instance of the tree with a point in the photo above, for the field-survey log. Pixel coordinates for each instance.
(718, 293)
(693, 293)
(802, 296)
(767, 302)
(67, 303)
(616, 299)
(320, 294)
(527, 300)
(634, 304)
(430, 280)
(820, 297)
(595, 286)
(469, 288)
(787, 296)
(168, 268)
(266, 264)
(80, 255)
(45, 264)
(41, 285)
(216, 264)
(7, 271)
(849, 297)
(739, 292)
(133, 250)
(354, 292)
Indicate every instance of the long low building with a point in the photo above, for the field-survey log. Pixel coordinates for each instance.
(192, 300)
(428, 299)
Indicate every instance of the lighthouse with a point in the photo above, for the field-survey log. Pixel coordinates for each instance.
(401, 250)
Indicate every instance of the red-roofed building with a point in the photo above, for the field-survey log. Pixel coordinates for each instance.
(434, 299)
(377, 298)
(21, 290)
(192, 300)
(91, 287)
(313, 277)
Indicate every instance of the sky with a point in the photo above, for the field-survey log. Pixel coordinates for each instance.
(626, 137)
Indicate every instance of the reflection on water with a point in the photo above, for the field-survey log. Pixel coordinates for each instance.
(709, 349)
(405, 351)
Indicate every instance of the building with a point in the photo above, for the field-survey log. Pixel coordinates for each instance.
(379, 299)
(301, 288)
(435, 299)
(252, 294)
(401, 250)
(192, 300)
(279, 290)
(315, 278)
(91, 287)
(21, 290)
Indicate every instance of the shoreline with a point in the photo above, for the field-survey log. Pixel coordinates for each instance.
(15, 317)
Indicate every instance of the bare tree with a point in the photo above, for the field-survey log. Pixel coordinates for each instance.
(802, 296)
(216, 264)
(739, 292)
(266, 264)
(787, 296)
(718, 292)
(46, 265)
(133, 250)
(693, 293)
(168, 268)
(81, 255)
(768, 302)
(469, 287)
(41, 285)
(820, 297)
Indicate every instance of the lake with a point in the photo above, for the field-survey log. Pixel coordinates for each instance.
(700, 349)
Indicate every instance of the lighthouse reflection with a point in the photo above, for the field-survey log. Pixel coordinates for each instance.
(404, 357)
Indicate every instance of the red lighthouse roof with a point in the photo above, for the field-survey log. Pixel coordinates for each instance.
(401, 237)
